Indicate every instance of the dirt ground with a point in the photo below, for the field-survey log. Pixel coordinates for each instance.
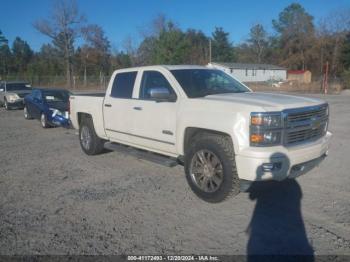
(56, 200)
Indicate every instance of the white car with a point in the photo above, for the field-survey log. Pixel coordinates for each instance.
(13, 93)
(221, 131)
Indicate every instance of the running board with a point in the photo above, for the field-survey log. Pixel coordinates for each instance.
(141, 154)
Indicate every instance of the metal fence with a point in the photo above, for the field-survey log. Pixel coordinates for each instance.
(59, 81)
(333, 87)
(100, 83)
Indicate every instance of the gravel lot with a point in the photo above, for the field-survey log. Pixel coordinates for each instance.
(56, 200)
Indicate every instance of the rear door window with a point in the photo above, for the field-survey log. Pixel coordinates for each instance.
(123, 85)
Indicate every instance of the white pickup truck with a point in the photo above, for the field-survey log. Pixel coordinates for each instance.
(222, 132)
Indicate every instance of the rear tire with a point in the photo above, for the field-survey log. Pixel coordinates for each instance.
(90, 143)
(211, 168)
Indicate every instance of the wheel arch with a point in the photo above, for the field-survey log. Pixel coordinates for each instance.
(82, 116)
(191, 132)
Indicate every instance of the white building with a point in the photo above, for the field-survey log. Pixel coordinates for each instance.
(252, 72)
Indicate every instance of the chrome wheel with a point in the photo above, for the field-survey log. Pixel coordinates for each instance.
(25, 112)
(43, 120)
(85, 137)
(206, 171)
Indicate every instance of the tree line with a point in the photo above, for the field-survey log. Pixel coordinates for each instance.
(296, 42)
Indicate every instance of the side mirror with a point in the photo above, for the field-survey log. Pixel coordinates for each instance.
(162, 94)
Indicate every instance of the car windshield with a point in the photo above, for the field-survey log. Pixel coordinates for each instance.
(52, 96)
(17, 87)
(203, 82)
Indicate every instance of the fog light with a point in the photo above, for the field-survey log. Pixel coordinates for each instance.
(268, 167)
(256, 138)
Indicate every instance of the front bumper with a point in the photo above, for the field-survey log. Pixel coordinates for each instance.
(59, 120)
(18, 104)
(290, 161)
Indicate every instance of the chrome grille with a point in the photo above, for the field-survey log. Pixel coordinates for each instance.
(305, 124)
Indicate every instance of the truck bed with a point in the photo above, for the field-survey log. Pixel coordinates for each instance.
(91, 104)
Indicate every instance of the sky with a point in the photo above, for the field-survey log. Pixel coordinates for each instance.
(123, 19)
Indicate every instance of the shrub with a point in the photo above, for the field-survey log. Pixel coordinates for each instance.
(346, 79)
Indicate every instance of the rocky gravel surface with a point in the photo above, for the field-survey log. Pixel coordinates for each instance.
(56, 200)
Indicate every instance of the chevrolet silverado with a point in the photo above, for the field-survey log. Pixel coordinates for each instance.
(223, 133)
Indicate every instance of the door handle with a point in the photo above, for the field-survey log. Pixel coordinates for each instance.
(137, 108)
(108, 105)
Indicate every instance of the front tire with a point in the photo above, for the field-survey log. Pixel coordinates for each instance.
(43, 121)
(6, 105)
(90, 143)
(26, 113)
(211, 169)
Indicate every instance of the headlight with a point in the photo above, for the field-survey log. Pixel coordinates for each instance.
(266, 129)
(13, 97)
(327, 122)
(327, 110)
(270, 120)
(56, 112)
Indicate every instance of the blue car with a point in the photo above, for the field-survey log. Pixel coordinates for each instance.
(50, 106)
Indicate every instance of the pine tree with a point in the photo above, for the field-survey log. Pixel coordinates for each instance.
(222, 49)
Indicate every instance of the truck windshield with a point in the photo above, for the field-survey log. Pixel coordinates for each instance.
(203, 82)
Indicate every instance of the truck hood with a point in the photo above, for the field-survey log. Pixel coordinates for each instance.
(268, 101)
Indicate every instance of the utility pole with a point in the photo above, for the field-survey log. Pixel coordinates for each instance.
(85, 62)
(325, 79)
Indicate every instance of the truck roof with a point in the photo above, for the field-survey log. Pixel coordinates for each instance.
(177, 67)
(168, 67)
